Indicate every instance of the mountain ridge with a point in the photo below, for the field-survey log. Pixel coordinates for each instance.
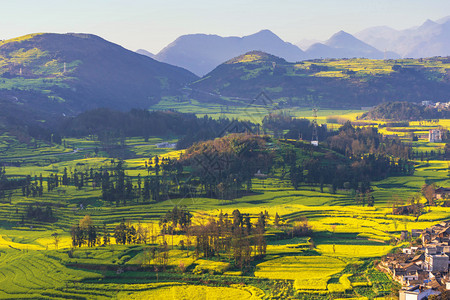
(345, 45)
(201, 53)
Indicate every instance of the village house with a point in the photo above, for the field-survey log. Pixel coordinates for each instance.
(436, 263)
(416, 293)
(441, 193)
(411, 250)
(435, 136)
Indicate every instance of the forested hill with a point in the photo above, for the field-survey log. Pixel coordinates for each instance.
(328, 83)
(70, 73)
(404, 111)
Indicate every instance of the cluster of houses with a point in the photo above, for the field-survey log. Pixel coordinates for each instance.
(440, 105)
(422, 270)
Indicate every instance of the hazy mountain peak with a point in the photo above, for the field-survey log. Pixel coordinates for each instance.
(343, 39)
(427, 24)
(201, 53)
(145, 52)
(265, 32)
(344, 45)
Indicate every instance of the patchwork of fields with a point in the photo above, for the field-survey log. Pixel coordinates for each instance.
(335, 261)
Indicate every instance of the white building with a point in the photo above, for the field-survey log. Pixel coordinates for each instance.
(435, 136)
(427, 103)
(416, 293)
(166, 145)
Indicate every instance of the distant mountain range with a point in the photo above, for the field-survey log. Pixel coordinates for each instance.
(201, 53)
(429, 39)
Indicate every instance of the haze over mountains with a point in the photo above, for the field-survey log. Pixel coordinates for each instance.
(429, 39)
(201, 53)
(345, 45)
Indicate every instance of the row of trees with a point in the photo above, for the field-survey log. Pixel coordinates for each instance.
(7, 185)
(85, 233)
(36, 213)
(277, 123)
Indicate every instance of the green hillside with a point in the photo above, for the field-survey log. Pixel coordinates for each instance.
(70, 73)
(326, 83)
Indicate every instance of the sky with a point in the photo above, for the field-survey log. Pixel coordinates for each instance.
(153, 24)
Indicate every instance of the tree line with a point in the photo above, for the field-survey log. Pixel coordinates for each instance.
(111, 127)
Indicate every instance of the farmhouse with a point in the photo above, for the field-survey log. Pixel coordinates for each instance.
(441, 193)
(435, 136)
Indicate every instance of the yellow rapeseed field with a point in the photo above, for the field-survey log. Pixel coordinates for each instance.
(179, 291)
(309, 272)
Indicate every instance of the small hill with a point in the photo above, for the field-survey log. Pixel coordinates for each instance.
(70, 73)
(328, 83)
(201, 53)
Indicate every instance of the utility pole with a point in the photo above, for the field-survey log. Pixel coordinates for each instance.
(315, 137)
